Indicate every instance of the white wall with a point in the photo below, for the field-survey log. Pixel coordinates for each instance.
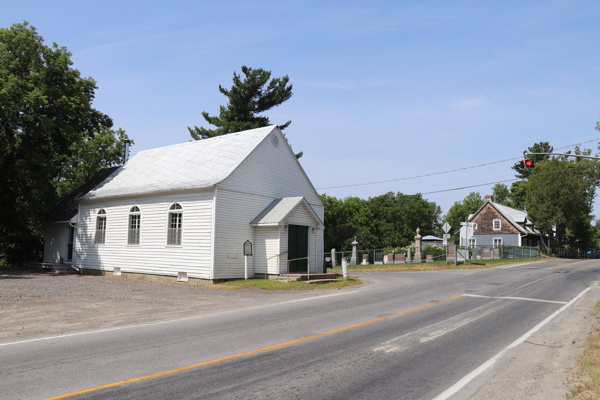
(152, 256)
(234, 213)
(267, 249)
(268, 173)
(56, 242)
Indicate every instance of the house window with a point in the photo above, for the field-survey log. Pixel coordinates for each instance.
(101, 227)
(497, 224)
(472, 242)
(474, 226)
(135, 220)
(497, 242)
(175, 225)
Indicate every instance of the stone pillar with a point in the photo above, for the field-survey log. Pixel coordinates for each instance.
(409, 257)
(333, 262)
(418, 247)
(353, 259)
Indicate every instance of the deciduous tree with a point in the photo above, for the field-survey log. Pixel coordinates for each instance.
(45, 107)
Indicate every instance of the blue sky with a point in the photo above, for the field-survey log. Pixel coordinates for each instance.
(382, 89)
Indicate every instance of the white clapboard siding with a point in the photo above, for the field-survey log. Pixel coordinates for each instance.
(272, 171)
(234, 212)
(267, 249)
(55, 242)
(152, 256)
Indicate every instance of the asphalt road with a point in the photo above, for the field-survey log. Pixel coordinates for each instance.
(401, 336)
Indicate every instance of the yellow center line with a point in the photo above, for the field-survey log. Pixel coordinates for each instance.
(277, 346)
(566, 265)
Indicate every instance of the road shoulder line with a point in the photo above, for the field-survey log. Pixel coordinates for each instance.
(513, 298)
(479, 370)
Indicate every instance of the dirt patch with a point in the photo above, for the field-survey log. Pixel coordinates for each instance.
(540, 368)
(42, 304)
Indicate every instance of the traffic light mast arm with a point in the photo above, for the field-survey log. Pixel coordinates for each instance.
(561, 154)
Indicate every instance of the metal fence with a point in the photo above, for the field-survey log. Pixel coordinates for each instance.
(378, 256)
(576, 253)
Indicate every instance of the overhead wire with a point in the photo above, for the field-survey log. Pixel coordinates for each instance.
(507, 180)
(451, 137)
(443, 172)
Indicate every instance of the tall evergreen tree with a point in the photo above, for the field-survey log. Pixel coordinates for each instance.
(248, 97)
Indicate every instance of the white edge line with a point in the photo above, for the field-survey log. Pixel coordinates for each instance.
(514, 298)
(469, 377)
(319, 297)
(116, 328)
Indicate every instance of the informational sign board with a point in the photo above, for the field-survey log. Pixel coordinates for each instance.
(446, 227)
(446, 236)
(445, 242)
(247, 248)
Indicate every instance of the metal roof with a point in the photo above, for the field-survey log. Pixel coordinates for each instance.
(280, 208)
(192, 165)
(431, 237)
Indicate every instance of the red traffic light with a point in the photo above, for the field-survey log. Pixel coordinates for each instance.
(528, 163)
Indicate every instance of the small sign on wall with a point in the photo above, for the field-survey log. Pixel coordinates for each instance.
(247, 248)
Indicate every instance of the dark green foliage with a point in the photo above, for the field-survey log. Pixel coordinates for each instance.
(384, 221)
(104, 149)
(460, 210)
(438, 253)
(542, 147)
(45, 107)
(247, 98)
(558, 198)
(501, 194)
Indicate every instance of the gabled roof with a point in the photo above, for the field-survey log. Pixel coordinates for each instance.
(431, 237)
(512, 215)
(280, 208)
(68, 207)
(192, 165)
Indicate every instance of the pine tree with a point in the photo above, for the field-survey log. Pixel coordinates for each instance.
(248, 97)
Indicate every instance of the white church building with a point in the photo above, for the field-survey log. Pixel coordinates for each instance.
(186, 211)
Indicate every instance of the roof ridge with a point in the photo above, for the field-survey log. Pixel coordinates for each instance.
(220, 137)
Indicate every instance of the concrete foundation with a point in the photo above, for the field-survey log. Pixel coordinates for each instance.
(152, 278)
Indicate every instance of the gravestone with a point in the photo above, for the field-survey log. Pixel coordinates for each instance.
(399, 258)
(429, 258)
(365, 260)
(390, 257)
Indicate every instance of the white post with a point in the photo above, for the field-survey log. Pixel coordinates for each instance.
(246, 267)
(333, 257)
(308, 267)
(345, 268)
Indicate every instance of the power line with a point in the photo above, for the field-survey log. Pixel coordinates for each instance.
(458, 163)
(506, 180)
(443, 172)
(452, 137)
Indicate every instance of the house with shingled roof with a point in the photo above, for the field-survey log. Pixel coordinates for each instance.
(495, 224)
(186, 211)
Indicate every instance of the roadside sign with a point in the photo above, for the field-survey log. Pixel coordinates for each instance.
(446, 236)
(446, 227)
(445, 242)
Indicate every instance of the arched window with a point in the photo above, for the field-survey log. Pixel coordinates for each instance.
(101, 227)
(135, 221)
(175, 224)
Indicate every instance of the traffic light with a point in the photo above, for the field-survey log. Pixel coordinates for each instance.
(525, 164)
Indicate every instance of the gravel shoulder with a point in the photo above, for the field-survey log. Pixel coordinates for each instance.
(540, 369)
(37, 304)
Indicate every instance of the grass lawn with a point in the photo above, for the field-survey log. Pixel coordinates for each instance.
(268, 284)
(433, 266)
(587, 373)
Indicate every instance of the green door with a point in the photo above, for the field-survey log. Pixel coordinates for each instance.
(298, 247)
